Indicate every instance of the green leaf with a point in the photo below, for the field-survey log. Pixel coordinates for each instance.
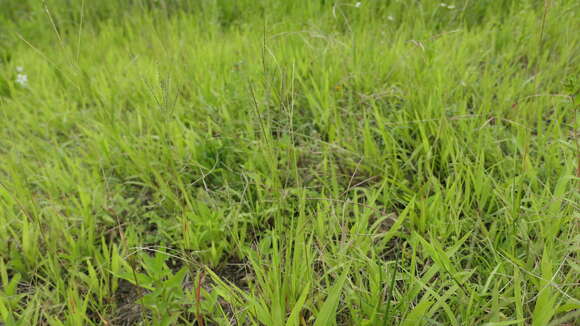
(417, 315)
(176, 280)
(326, 315)
(546, 306)
(294, 317)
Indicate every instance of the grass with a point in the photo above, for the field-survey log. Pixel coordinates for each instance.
(289, 163)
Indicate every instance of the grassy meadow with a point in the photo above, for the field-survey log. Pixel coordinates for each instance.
(300, 162)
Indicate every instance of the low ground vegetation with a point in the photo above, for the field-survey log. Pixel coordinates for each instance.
(298, 162)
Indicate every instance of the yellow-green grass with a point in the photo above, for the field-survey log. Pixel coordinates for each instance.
(302, 162)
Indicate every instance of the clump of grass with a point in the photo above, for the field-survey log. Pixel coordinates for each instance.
(288, 163)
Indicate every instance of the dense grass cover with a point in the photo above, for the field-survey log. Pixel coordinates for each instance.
(305, 162)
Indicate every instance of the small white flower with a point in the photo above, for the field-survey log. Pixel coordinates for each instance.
(391, 18)
(19, 69)
(22, 79)
(443, 4)
(358, 4)
(451, 7)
